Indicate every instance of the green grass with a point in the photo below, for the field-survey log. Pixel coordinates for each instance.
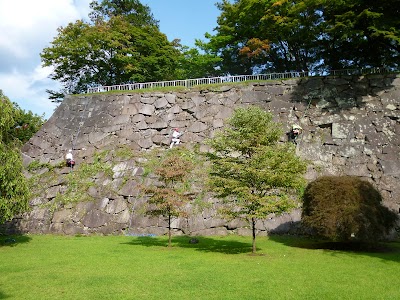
(123, 267)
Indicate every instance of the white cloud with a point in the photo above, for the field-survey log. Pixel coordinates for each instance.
(27, 27)
(28, 90)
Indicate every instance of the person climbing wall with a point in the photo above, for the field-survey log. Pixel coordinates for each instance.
(69, 158)
(175, 140)
(294, 133)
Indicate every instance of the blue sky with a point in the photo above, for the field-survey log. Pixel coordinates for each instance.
(185, 19)
(28, 27)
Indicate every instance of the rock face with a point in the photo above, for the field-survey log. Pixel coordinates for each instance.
(351, 126)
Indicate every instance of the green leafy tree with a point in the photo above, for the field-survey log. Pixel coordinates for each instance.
(360, 33)
(7, 118)
(346, 208)
(251, 170)
(136, 13)
(168, 198)
(195, 63)
(26, 124)
(13, 187)
(306, 35)
(267, 35)
(121, 45)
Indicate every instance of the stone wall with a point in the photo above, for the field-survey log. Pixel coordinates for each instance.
(351, 126)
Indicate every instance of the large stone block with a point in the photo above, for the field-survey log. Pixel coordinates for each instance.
(95, 218)
(52, 192)
(224, 113)
(130, 188)
(73, 229)
(390, 167)
(146, 109)
(161, 103)
(62, 216)
(342, 131)
(116, 206)
(147, 99)
(254, 96)
(158, 125)
(171, 98)
(198, 127)
(122, 217)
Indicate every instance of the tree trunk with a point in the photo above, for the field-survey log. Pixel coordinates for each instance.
(253, 227)
(169, 230)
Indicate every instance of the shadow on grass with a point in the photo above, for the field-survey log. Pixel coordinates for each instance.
(385, 251)
(13, 240)
(3, 296)
(205, 244)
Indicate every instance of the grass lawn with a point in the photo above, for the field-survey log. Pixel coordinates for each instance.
(123, 267)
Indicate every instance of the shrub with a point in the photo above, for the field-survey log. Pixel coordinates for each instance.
(345, 208)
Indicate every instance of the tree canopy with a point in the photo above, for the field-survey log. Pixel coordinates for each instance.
(121, 44)
(168, 198)
(13, 187)
(305, 35)
(136, 13)
(26, 124)
(251, 170)
(194, 63)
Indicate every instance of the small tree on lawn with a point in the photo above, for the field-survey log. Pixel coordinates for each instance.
(251, 171)
(168, 197)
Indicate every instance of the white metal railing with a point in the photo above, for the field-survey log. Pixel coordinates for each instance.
(188, 83)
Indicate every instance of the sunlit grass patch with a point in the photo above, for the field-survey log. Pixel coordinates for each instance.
(125, 267)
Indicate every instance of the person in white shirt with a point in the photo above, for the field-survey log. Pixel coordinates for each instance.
(294, 133)
(69, 159)
(175, 137)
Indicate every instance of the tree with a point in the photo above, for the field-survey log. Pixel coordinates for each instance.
(14, 193)
(360, 33)
(168, 199)
(305, 35)
(7, 118)
(251, 170)
(346, 208)
(136, 13)
(194, 63)
(277, 35)
(122, 44)
(26, 124)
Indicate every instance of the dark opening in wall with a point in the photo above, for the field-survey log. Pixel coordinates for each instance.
(327, 127)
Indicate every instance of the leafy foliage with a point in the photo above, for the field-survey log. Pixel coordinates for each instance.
(136, 13)
(13, 187)
(26, 124)
(305, 35)
(195, 64)
(345, 208)
(251, 171)
(6, 117)
(122, 44)
(168, 198)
